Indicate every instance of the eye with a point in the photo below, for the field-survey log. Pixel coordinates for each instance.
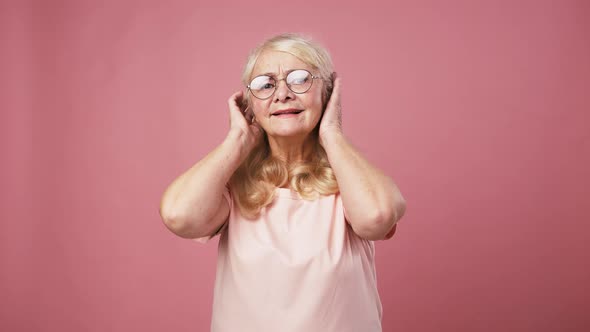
(267, 86)
(262, 83)
(298, 77)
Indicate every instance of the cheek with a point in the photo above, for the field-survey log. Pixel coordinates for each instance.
(318, 105)
(318, 117)
(259, 109)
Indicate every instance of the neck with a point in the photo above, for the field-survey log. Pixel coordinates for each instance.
(292, 149)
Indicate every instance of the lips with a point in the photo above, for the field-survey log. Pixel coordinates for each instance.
(287, 111)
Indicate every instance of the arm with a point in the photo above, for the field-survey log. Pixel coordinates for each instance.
(372, 201)
(193, 205)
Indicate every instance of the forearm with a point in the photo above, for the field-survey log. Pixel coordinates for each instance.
(372, 201)
(193, 198)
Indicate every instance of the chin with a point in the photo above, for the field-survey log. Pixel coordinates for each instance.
(286, 132)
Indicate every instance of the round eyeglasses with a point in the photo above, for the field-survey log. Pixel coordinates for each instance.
(299, 81)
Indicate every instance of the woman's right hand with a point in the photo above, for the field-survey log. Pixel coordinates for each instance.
(243, 123)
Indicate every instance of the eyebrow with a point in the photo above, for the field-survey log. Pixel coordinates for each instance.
(287, 72)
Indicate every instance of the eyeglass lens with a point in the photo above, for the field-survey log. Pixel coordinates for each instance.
(298, 81)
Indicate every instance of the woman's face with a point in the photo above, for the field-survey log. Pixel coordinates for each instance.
(278, 65)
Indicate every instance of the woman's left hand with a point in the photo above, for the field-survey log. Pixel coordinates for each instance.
(331, 123)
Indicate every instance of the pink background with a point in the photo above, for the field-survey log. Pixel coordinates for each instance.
(478, 110)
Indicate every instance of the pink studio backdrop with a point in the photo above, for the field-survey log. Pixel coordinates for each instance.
(478, 110)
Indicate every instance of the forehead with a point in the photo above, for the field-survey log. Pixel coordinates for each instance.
(276, 63)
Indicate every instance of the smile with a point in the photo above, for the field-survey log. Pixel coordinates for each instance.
(288, 113)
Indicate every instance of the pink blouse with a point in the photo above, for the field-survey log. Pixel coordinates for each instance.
(299, 267)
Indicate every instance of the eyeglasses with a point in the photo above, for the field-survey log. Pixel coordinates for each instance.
(299, 81)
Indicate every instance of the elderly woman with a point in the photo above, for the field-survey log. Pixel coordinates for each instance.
(296, 206)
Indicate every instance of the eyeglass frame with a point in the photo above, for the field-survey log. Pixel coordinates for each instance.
(313, 77)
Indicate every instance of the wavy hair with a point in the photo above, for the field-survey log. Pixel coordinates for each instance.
(253, 183)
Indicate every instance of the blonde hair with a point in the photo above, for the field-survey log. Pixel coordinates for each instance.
(254, 182)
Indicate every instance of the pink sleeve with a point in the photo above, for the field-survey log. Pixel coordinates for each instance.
(227, 195)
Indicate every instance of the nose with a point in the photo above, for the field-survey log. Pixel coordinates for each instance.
(282, 91)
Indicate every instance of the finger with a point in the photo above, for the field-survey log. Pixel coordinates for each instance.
(234, 101)
(337, 85)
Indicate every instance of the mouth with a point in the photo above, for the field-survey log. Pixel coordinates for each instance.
(287, 113)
